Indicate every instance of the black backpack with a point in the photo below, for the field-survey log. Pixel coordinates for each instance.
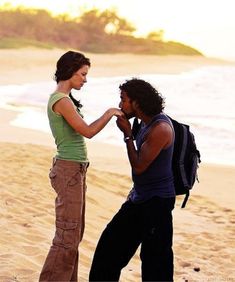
(186, 158)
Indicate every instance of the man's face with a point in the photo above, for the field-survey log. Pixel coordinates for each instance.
(126, 105)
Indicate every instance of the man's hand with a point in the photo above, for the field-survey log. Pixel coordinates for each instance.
(124, 125)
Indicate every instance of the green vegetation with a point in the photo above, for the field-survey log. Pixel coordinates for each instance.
(9, 43)
(94, 31)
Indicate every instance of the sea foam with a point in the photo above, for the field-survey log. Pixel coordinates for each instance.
(203, 98)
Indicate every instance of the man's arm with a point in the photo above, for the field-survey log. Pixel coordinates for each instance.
(158, 138)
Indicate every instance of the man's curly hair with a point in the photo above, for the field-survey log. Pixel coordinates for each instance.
(149, 100)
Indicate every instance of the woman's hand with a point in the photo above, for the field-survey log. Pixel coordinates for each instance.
(115, 112)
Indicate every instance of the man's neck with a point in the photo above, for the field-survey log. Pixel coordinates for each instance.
(146, 119)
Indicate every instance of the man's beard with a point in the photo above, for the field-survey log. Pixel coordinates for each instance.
(129, 115)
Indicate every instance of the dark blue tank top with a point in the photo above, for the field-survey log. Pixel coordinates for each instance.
(157, 179)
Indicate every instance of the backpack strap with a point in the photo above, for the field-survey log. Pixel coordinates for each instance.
(185, 200)
(182, 154)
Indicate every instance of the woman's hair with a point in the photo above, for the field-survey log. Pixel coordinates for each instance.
(67, 65)
(149, 100)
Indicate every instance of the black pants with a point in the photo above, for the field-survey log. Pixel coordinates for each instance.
(148, 224)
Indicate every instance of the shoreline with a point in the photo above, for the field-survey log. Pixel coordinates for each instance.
(30, 65)
(40, 137)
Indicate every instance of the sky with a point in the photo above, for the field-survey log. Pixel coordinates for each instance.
(207, 25)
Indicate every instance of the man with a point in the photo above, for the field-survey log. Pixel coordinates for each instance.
(146, 217)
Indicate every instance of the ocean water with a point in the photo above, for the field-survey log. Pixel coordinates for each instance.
(203, 98)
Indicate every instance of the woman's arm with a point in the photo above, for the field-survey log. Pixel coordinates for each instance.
(65, 108)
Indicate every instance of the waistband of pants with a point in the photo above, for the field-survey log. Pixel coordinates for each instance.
(68, 163)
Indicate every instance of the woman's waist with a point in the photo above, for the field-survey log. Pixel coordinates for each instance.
(70, 163)
(72, 152)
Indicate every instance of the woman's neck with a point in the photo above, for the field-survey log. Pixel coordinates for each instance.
(63, 87)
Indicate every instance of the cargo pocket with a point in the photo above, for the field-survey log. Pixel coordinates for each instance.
(74, 197)
(74, 188)
(52, 176)
(66, 234)
(75, 179)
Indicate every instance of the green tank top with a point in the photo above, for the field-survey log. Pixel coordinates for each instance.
(70, 144)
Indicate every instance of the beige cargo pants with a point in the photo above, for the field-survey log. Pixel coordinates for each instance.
(68, 179)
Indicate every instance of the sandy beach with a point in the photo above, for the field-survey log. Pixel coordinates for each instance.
(203, 232)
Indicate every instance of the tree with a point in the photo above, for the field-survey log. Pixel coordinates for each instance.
(105, 22)
(156, 35)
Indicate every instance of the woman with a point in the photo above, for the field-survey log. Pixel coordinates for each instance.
(68, 173)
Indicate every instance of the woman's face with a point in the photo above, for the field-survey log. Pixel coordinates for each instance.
(79, 77)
